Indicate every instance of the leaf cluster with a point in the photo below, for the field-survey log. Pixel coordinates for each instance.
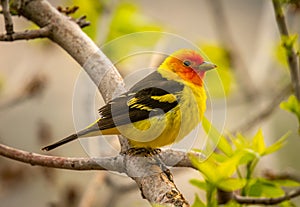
(232, 164)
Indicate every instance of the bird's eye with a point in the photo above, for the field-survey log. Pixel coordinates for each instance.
(187, 63)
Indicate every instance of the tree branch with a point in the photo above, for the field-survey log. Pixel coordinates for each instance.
(172, 158)
(290, 51)
(266, 201)
(113, 164)
(156, 185)
(265, 112)
(26, 35)
(7, 18)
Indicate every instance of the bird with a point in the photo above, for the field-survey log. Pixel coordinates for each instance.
(159, 110)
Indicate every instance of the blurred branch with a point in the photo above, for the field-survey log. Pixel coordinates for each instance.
(265, 112)
(117, 190)
(89, 195)
(266, 201)
(285, 175)
(290, 51)
(9, 27)
(33, 88)
(239, 67)
(106, 18)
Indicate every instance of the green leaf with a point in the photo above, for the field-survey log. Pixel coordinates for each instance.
(289, 42)
(262, 187)
(277, 145)
(286, 183)
(280, 56)
(232, 203)
(128, 19)
(240, 141)
(198, 183)
(198, 202)
(228, 168)
(219, 157)
(258, 142)
(231, 184)
(287, 204)
(207, 168)
(216, 137)
(219, 82)
(292, 105)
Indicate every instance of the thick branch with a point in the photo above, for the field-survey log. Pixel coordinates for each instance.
(290, 51)
(266, 201)
(155, 184)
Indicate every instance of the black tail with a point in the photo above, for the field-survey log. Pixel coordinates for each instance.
(61, 142)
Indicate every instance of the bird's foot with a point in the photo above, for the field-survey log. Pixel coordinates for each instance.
(151, 153)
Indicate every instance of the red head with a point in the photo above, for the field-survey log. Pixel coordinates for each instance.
(188, 64)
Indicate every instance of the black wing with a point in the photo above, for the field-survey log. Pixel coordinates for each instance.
(138, 103)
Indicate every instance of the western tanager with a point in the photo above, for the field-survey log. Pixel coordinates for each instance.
(159, 110)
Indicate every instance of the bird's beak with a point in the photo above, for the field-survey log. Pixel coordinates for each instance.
(205, 66)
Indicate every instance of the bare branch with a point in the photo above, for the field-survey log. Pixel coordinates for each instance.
(113, 164)
(7, 18)
(169, 158)
(26, 35)
(285, 175)
(290, 51)
(266, 201)
(89, 195)
(145, 171)
(266, 111)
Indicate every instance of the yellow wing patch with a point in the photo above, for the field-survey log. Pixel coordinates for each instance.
(142, 107)
(170, 98)
(132, 104)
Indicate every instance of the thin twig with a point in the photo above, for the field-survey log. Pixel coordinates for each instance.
(239, 67)
(81, 21)
(265, 112)
(266, 201)
(290, 51)
(7, 18)
(27, 34)
(285, 175)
